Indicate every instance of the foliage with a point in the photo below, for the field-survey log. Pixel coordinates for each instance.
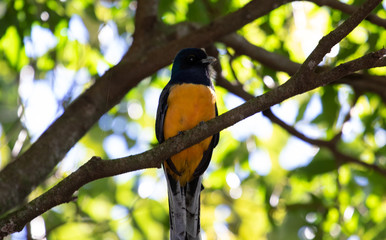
(263, 182)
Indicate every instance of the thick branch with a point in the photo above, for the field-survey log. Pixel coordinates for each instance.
(146, 27)
(145, 18)
(16, 179)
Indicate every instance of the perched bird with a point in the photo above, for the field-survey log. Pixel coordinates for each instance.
(187, 100)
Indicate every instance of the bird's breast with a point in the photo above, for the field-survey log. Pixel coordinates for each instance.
(188, 105)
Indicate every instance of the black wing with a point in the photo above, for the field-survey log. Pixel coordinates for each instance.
(159, 122)
(161, 113)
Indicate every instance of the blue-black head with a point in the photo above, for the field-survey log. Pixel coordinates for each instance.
(191, 65)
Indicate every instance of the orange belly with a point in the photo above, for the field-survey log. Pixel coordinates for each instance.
(188, 105)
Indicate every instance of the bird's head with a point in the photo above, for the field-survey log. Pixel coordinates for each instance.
(192, 58)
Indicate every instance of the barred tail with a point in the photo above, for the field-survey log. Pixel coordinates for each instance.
(184, 209)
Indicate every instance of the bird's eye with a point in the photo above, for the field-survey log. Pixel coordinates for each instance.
(191, 58)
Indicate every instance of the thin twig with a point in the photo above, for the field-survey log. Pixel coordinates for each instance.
(231, 59)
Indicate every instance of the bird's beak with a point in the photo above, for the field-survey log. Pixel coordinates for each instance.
(209, 60)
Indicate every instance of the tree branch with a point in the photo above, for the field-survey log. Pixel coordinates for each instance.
(146, 23)
(371, 60)
(145, 18)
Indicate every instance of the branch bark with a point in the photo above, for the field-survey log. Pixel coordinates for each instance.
(145, 18)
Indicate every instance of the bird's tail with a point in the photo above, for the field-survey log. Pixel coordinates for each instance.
(184, 209)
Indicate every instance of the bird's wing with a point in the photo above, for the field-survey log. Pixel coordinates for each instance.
(161, 113)
(159, 122)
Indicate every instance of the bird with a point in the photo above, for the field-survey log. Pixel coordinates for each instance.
(187, 100)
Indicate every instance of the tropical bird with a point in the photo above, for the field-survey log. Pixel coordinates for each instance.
(186, 101)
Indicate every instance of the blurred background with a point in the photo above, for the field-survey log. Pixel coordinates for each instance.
(263, 182)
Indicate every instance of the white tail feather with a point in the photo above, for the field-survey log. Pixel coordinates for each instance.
(184, 209)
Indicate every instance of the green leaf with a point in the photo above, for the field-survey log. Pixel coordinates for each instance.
(197, 12)
(166, 6)
(302, 110)
(323, 162)
(10, 43)
(330, 106)
(239, 154)
(266, 27)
